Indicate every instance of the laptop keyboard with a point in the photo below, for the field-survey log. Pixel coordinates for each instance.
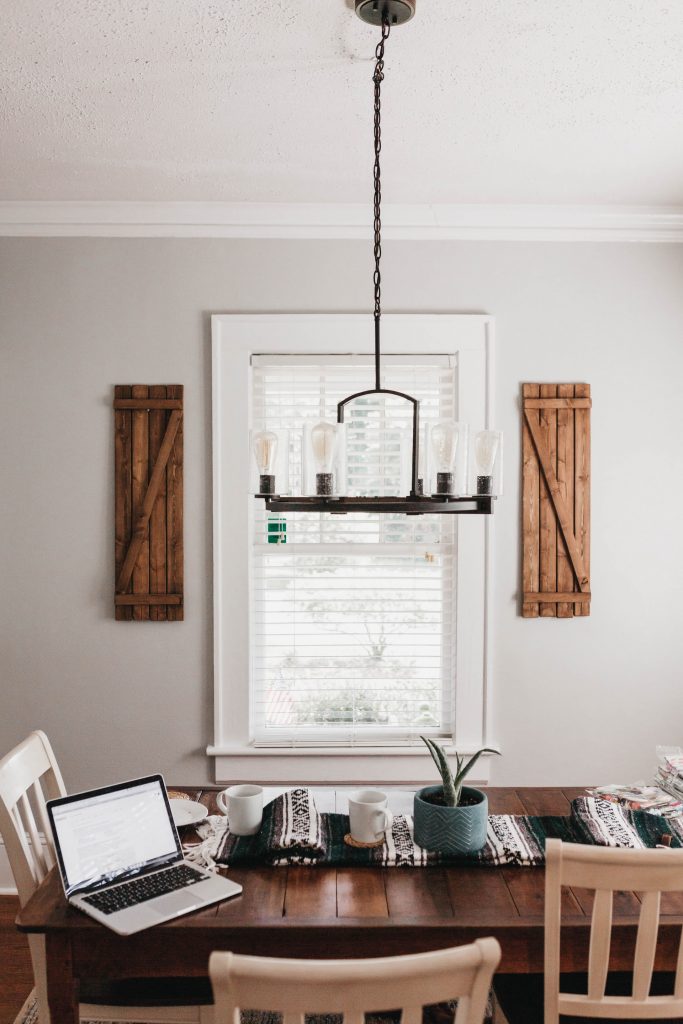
(128, 894)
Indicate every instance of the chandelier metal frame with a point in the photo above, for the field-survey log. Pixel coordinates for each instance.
(384, 13)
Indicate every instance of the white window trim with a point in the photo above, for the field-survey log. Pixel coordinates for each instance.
(235, 338)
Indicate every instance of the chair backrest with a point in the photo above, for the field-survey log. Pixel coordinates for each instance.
(605, 870)
(29, 776)
(355, 987)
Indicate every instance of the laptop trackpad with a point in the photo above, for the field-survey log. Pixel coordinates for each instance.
(175, 903)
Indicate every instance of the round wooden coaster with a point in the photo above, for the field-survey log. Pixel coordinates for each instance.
(350, 841)
(175, 794)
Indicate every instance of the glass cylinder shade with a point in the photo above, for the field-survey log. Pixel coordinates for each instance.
(324, 459)
(448, 450)
(269, 462)
(486, 475)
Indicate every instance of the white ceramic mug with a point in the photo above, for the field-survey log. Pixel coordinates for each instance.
(244, 808)
(368, 815)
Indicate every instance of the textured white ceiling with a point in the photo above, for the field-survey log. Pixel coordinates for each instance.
(485, 101)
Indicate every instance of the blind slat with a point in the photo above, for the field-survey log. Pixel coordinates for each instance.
(352, 629)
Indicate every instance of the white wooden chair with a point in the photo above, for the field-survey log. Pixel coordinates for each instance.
(355, 987)
(606, 871)
(29, 776)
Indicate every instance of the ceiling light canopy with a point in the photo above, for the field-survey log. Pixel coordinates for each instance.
(395, 12)
(436, 469)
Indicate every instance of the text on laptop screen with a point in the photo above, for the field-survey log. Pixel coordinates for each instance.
(112, 834)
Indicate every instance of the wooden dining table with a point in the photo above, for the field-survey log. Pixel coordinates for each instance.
(327, 912)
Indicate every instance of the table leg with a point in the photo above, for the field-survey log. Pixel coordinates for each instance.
(62, 987)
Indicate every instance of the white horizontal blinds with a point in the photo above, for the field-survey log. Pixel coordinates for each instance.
(349, 644)
(352, 616)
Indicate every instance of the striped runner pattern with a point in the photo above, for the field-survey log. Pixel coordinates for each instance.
(294, 832)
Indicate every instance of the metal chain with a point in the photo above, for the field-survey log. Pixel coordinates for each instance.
(378, 78)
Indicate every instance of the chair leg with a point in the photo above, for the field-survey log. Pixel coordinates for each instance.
(28, 1003)
(551, 999)
(206, 1014)
(498, 1013)
(36, 945)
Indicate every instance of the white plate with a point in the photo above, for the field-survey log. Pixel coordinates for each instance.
(187, 812)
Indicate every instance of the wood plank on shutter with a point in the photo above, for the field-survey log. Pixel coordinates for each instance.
(556, 500)
(530, 500)
(565, 478)
(122, 488)
(148, 483)
(582, 455)
(548, 530)
(157, 520)
(140, 481)
(174, 516)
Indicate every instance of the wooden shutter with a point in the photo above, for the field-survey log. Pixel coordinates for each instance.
(148, 452)
(556, 500)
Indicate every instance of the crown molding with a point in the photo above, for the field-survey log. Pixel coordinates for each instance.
(416, 222)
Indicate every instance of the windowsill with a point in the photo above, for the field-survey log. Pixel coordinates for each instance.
(332, 765)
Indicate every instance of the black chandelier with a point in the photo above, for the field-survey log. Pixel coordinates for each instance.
(446, 436)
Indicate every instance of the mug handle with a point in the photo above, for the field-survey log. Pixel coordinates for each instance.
(388, 822)
(220, 801)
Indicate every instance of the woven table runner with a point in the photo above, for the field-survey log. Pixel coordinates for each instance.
(294, 832)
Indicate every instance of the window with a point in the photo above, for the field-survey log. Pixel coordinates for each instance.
(352, 635)
(339, 639)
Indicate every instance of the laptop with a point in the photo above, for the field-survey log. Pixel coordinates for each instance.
(121, 861)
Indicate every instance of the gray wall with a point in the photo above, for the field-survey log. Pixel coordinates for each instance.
(575, 701)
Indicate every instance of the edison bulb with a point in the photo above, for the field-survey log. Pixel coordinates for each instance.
(444, 444)
(324, 448)
(265, 452)
(486, 445)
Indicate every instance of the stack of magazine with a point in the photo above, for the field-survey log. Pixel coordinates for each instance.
(657, 799)
(669, 776)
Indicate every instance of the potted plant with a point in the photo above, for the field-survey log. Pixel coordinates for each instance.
(452, 817)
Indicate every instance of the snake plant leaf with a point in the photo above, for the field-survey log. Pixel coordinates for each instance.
(437, 753)
(444, 767)
(441, 762)
(433, 750)
(463, 772)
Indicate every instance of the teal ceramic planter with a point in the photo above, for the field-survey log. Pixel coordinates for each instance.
(450, 829)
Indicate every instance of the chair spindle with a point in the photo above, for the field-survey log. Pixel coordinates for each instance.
(646, 945)
(600, 940)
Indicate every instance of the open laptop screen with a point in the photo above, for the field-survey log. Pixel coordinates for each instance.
(114, 832)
